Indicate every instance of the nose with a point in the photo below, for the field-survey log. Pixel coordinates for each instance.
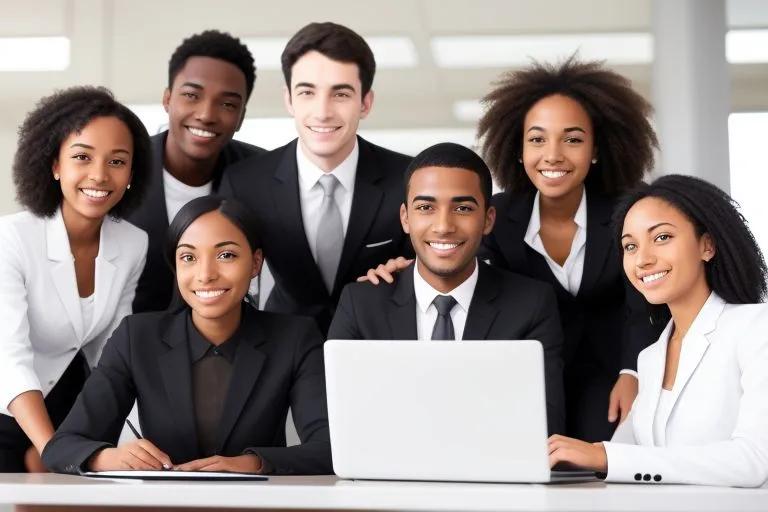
(644, 256)
(98, 172)
(443, 223)
(206, 270)
(323, 109)
(554, 153)
(206, 112)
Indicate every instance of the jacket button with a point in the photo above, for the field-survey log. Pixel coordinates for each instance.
(638, 476)
(647, 477)
(657, 478)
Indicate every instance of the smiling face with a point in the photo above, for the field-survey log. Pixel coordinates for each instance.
(446, 218)
(205, 106)
(664, 258)
(325, 100)
(94, 168)
(214, 267)
(558, 146)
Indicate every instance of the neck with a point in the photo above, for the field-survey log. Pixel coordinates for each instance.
(194, 173)
(445, 284)
(81, 231)
(563, 207)
(220, 329)
(330, 162)
(685, 309)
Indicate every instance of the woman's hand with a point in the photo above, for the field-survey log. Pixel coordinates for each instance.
(239, 464)
(138, 454)
(579, 453)
(386, 270)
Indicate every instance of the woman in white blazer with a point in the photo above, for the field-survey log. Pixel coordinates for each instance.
(701, 414)
(68, 265)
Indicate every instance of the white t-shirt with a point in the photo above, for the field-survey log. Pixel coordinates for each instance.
(86, 310)
(177, 194)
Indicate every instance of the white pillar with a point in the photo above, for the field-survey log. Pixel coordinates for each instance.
(690, 88)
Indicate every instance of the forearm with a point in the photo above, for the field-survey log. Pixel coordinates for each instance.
(32, 416)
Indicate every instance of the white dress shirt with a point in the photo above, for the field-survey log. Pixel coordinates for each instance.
(311, 192)
(426, 312)
(177, 194)
(569, 274)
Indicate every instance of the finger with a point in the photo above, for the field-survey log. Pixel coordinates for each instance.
(157, 453)
(362, 279)
(372, 277)
(385, 273)
(194, 465)
(613, 407)
(146, 458)
(137, 463)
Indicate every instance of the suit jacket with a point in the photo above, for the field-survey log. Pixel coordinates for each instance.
(278, 364)
(606, 324)
(717, 430)
(41, 323)
(156, 284)
(505, 306)
(269, 184)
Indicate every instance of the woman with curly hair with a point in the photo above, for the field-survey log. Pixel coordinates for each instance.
(68, 265)
(701, 416)
(563, 141)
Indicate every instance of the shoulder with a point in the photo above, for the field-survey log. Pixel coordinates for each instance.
(262, 159)
(132, 239)
(512, 282)
(520, 204)
(22, 229)
(284, 328)
(242, 150)
(368, 292)
(746, 326)
(385, 155)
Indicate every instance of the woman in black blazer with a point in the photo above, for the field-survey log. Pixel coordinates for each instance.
(213, 377)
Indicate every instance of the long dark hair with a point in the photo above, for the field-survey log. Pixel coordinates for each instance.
(237, 213)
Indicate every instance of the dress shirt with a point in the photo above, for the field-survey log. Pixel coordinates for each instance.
(311, 192)
(569, 274)
(426, 312)
(177, 194)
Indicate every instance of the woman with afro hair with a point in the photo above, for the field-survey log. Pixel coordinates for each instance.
(68, 265)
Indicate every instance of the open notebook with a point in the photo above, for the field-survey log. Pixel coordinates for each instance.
(177, 475)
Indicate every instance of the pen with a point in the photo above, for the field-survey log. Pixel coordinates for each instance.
(138, 436)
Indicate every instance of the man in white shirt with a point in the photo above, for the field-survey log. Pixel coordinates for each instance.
(448, 294)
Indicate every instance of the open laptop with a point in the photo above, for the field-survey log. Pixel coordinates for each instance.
(467, 411)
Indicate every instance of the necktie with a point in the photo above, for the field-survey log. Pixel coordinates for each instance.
(330, 234)
(443, 329)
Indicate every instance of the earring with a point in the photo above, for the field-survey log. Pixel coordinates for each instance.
(56, 176)
(594, 160)
(128, 187)
(520, 160)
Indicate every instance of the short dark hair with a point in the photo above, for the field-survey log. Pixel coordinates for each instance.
(738, 271)
(455, 156)
(336, 42)
(624, 136)
(216, 45)
(44, 130)
(235, 211)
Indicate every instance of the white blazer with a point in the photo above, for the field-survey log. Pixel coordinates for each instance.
(41, 325)
(717, 428)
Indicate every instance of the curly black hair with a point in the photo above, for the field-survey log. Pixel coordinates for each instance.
(737, 272)
(43, 132)
(216, 45)
(624, 136)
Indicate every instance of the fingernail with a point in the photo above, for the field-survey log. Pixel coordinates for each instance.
(166, 466)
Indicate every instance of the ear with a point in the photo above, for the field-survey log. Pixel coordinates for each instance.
(288, 100)
(55, 168)
(367, 105)
(490, 220)
(404, 219)
(708, 249)
(166, 99)
(258, 261)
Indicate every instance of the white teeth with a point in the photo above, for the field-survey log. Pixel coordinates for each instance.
(442, 247)
(208, 294)
(322, 129)
(654, 277)
(201, 133)
(90, 192)
(553, 174)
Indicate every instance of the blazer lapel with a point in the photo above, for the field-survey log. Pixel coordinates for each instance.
(599, 239)
(245, 373)
(482, 312)
(62, 267)
(518, 217)
(288, 206)
(366, 199)
(105, 275)
(402, 308)
(176, 370)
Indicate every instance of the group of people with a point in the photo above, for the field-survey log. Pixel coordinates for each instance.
(127, 276)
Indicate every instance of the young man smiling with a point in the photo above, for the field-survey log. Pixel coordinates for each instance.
(328, 201)
(448, 294)
(210, 78)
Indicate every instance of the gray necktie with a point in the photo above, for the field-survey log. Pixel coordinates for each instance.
(443, 329)
(330, 234)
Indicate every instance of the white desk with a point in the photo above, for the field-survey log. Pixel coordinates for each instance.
(40, 493)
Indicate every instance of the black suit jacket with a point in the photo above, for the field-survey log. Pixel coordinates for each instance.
(269, 184)
(606, 324)
(156, 284)
(505, 306)
(278, 364)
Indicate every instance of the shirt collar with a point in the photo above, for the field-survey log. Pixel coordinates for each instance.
(309, 173)
(534, 225)
(425, 294)
(199, 346)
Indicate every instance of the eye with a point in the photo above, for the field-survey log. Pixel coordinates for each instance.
(81, 157)
(536, 140)
(423, 207)
(189, 95)
(663, 237)
(227, 255)
(342, 95)
(573, 140)
(462, 208)
(116, 162)
(629, 247)
(305, 92)
(230, 106)
(186, 258)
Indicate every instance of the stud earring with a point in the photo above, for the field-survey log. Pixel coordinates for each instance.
(128, 187)
(594, 160)
(520, 160)
(56, 177)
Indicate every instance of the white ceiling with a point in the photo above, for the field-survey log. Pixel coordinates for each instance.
(125, 45)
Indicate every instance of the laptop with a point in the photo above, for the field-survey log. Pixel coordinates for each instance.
(462, 411)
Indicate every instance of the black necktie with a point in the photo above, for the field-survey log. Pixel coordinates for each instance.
(443, 325)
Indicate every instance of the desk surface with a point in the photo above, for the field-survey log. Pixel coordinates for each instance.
(330, 493)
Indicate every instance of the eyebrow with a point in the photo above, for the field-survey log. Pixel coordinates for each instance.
(220, 244)
(457, 199)
(655, 226)
(566, 130)
(86, 146)
(231, 94)
(335, 87)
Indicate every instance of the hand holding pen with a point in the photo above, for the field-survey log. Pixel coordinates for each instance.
(139, 454)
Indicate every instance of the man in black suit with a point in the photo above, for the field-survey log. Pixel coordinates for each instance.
(210, 78)
(327, 201)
